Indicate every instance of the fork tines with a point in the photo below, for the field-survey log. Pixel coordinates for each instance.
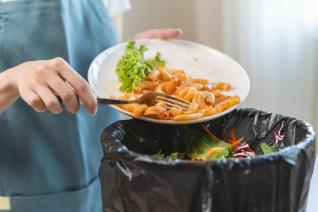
(171, 101)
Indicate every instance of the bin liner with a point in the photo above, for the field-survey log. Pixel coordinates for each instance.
(133, 180)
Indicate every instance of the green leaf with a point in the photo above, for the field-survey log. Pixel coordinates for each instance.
(226, 153)
(201, 146)
(266, 149)
(142, 49)
(156, 61)
(173, 156)
(132, 68)
(159, 154)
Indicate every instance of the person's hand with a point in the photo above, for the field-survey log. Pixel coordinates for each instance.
(165, 34)
(41, 83)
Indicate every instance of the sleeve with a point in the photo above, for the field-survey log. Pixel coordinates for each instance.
(117, 7)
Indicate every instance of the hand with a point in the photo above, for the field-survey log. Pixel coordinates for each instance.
(164, 34)
(40, 82)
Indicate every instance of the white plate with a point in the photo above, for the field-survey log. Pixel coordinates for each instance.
(197, 60)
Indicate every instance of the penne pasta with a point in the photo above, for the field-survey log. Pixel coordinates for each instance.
(164, 74)
(200, 81)
(169, 87)
(147, 85)
(222, 86)
(211, 111)
(175, 111)
(197, 86)
(184, 117)
(154, 75)
(139, 110)
(206, 98)
(189, 95)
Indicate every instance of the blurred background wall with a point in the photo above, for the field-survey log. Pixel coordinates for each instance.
(200, 19)
(276, 41)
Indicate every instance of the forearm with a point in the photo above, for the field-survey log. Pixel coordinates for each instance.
(8, 93)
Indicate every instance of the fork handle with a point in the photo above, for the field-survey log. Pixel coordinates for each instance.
(112, 101)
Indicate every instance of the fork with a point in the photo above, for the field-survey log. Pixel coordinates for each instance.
(150, 99)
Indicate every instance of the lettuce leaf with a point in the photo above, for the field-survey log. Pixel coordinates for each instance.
(159, 154)
(266, 149)
(201, 146)
(132, 68)
(173, 156)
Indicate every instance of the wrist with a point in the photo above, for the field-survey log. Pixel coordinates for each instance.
(10, 82)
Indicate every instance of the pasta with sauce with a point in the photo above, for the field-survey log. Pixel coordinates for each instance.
(206, 98)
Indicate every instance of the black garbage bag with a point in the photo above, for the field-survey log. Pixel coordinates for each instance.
(135, 181)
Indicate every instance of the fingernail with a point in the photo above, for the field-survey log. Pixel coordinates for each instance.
(180, 31)
(94, 112)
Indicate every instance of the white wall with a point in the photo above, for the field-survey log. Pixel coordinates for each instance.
(200, 20)
(272, 41)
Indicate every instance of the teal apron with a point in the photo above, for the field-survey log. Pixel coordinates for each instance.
(49, 163)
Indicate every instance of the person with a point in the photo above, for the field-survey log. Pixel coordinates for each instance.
(49, 152)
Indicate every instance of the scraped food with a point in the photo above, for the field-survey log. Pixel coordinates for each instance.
(139, 76)
(202, 145)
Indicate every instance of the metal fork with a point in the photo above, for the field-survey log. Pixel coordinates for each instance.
(150, 99)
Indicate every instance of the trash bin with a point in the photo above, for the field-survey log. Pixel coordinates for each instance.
(133, 180)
